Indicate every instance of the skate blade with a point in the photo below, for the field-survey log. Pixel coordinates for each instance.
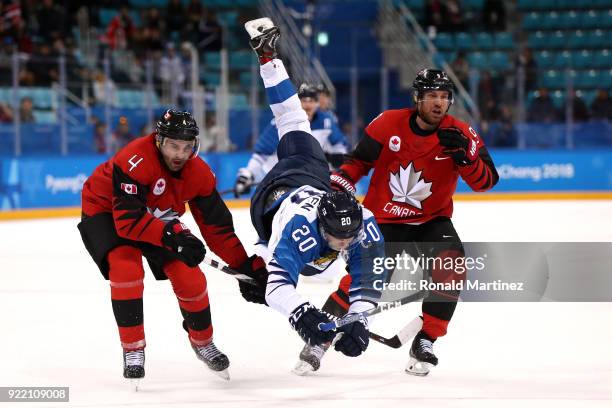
(302, 368)
(256, 27)
(135, 384)
(222, 374)
(418, 368)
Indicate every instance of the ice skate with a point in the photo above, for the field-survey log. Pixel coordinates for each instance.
(264, 36)
(133, 366)
(310, 359)
(214, 359)
(422, 357)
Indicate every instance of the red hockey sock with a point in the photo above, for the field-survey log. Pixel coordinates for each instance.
(126, 281)
(433, 326)
(191, 290)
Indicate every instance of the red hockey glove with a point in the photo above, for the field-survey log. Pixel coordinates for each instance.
(461, 148)
(182, 243)
(341, 183)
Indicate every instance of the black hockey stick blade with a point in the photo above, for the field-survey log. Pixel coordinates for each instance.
(393, 342)
(406, 334)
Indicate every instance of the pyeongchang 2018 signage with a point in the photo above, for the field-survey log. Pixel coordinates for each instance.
(52, 181)
(545, 170)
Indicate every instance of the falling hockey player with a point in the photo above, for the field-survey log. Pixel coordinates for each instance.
(418, 154)
(131, 208)
(302, 221)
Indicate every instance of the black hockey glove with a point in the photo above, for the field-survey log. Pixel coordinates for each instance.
(182, 243)
(341, 183)
(462, 149)
(305, 320)
(244, 182)
(355, 338)
(255, 267)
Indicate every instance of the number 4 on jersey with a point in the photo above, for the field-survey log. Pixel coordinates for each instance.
(134, 163)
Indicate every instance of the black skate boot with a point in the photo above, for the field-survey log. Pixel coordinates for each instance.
(214, 359)
(422, 357)
(133, 366)
(264, 36)
(310, 359)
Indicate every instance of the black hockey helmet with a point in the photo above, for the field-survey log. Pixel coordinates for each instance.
(179, 125)
(308, 91)
(340, 214)
(432, 80)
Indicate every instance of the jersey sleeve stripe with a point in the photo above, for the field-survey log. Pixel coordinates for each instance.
(280, 92)
(285, 276)
(145, 226)
(483, 172)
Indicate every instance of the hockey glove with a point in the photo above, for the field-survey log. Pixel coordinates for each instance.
(254, 267)
(462, 149)
(341, 183)
(244, 182)
(355, 338)
(305, 320)
(182, 243)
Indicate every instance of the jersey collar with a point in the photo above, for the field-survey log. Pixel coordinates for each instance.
(416, 129)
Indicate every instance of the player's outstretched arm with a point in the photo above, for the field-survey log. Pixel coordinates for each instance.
(216, 224)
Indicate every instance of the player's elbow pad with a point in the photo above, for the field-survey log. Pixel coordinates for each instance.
(339, 182)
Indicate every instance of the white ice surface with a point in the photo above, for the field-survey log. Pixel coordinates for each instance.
(57, 329)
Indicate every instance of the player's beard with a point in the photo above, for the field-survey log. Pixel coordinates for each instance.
(430, 120)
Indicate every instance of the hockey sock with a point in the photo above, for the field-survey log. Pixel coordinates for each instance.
(126, 281)
(191, 290)
(283, 99)
(338, 302)
(439, 306)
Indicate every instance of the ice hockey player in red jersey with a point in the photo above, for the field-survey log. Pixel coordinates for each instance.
(131, 208)
(418, 155)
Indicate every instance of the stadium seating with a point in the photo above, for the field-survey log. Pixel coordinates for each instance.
(42, 98)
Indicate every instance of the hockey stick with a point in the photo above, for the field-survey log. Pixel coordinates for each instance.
(238, 275)
(348, 319)
(407, 332)
(231, 190)
(398, 340)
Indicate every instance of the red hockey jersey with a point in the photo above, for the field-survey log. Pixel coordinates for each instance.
(413, 181)
(143, 194)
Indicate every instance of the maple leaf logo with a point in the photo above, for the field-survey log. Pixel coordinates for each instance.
(408, 187)
(160, 183)
(164, 215)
